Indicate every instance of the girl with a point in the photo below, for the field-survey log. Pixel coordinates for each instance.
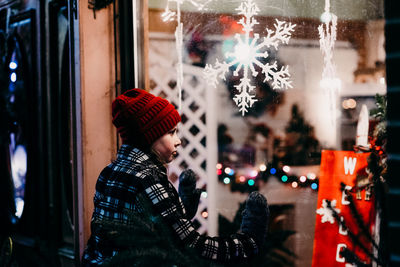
(136, 183)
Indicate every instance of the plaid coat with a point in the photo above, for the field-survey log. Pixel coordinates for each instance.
(119, 191)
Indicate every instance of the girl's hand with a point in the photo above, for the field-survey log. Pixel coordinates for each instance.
(188, 193)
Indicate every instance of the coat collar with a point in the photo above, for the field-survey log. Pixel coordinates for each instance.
(130, 153)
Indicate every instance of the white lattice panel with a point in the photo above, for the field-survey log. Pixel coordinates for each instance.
(197, 130)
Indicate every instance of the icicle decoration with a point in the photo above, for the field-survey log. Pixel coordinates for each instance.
(169, 15)
(246, 54)
(327, 40)
(327, 36)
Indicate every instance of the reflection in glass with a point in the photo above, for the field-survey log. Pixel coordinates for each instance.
(18, 170)
(17, 112)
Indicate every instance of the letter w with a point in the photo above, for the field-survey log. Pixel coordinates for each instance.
(349, 165)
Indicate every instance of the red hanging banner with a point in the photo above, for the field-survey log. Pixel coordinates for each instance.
(332, 238)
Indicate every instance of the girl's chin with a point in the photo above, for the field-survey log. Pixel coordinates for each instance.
(169, 160)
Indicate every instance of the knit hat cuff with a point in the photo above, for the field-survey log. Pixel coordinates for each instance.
(165, 123)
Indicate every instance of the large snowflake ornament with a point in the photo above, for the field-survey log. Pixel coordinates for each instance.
(246, 56)
(326, 211)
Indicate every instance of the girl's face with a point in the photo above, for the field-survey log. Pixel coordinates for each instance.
(166, 146)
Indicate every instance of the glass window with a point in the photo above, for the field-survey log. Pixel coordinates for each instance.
(275, 90)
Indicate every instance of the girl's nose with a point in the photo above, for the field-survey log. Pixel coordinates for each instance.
(178, 142)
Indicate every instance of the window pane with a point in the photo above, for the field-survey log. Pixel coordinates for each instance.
(278, 83)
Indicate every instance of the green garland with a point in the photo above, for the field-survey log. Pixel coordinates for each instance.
(379, 113)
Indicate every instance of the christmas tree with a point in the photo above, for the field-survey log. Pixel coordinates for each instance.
(300, 143)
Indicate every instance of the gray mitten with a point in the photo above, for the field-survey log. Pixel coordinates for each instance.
(255, 217)
(188, 193)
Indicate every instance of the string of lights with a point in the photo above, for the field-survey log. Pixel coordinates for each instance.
(247, 180)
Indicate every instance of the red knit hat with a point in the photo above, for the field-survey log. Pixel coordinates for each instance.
(142, 117)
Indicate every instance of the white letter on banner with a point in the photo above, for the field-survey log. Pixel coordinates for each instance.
(349, 165)
(342, 230)
(344, 195)
(339, 248)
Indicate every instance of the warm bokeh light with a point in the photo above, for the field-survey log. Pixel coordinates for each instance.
(286, 168)
(253, 173)
(311, 176)
(229, 171)
(263, 168)
(349, 103)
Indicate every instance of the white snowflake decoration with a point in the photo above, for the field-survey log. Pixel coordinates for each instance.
(246, 54)
(326, 212)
